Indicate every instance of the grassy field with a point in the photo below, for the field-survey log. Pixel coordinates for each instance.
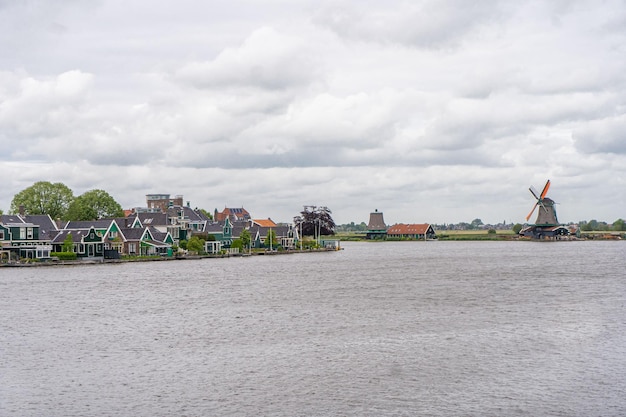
(445, 235)
(475, 235)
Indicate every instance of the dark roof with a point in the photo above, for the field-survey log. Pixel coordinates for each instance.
(281, 231)
(237, 229)
(11, 219)
(47, 227)
(124, 222)
(214, 228)
(131, 233)
(157, 234)
(153, 219)
(96, 224)
(77, 235)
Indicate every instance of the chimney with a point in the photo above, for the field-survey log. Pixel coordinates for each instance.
(22, 210)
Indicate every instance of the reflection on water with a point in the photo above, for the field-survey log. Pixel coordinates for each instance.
(378, 329)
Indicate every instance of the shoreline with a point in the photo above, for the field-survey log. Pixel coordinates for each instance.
(54, 263)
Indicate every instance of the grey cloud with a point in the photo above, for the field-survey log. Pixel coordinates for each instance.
(603, 136)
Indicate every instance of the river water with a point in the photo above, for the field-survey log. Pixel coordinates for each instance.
(377, 329)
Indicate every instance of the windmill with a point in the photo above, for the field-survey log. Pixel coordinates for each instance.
(547, 213)
(546, 225)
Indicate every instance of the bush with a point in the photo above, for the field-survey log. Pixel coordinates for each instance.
(64, 256)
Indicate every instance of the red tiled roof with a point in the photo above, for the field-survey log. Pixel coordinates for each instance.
(408, 229)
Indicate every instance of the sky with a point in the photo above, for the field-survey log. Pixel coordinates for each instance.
(429, 111)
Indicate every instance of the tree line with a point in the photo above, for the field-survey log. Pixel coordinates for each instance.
(58, 201)
(618, 225)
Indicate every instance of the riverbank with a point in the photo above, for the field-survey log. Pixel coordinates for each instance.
(99, 261)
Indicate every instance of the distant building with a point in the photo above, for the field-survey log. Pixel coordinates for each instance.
(376, 228)
(162, 202)
(235, 214)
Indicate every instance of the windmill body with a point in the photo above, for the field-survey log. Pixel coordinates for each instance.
(547, 215)
(546, 225)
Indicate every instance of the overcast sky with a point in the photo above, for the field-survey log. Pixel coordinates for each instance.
(429, 111)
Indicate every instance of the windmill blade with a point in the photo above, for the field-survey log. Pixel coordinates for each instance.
(533, 192)
(531, 212)
(545, 189)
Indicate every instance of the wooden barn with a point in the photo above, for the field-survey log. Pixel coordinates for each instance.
(411, 231)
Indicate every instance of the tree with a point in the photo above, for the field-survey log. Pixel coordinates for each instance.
(245, 238)
(619, 225)
(195, 244)
(270, 239)
(68, 243)
(516, 228)
(44, 197)
(206, 213)
(237, 244)
(315, 221)
(93, 205)
(476, 223)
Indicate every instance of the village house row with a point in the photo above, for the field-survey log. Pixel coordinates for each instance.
(152, 230)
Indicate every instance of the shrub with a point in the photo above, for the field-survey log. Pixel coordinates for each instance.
(64, 256)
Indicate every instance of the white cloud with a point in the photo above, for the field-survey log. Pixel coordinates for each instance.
(41, 108)
(266, 60)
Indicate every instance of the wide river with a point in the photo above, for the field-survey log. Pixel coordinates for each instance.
(377, 329)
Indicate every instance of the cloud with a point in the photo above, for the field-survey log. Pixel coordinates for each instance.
(34, 107)
(265, 60)
(424, 24)
(602, 136)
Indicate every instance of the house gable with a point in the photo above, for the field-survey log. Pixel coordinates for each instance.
(92, 236)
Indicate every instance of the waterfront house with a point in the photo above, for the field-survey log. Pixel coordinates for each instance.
(108, 229)
(87, 243)
(286, 235)
(23, 239)
(222, 236)
(146, 241)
